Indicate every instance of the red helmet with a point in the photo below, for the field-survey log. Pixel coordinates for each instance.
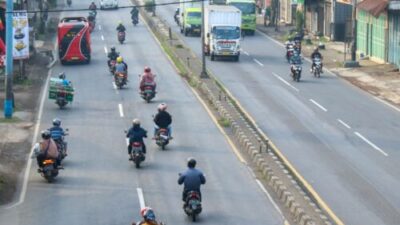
(147, 69)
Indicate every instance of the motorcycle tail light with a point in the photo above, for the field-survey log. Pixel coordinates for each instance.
(48, 161)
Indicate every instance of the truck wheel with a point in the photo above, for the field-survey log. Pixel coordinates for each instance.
(186, 32)
(181, 30)
(212, 57)
(236, 58)
(251, 32)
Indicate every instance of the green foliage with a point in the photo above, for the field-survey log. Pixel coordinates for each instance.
(299, 20)
(224, 122)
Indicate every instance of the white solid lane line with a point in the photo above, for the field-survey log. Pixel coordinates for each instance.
(121, 110)
(371, 144)
(141, 198)
(344, 124)
(127, 141)
(388, 104)
(114, 85)
(102, 37)
(270, 199)
(319, 106)
(99, 27)
(105, 49)
(258, 62)
(285, 82)
(246, 53)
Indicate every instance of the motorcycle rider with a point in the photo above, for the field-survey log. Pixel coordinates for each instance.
(65, 82)
(316, 54)
(121, 27)
(120, 65)
(149, 218)
(191, 179)
(162, 120)
(134, 13)
(176, 15)
(147, 78)
(294, 60)
(112, 55)
(47, 150)
(136, 134)
(57, 132)
(93, 6)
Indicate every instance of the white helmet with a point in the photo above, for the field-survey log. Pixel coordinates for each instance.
(136, 121)
(162, 107)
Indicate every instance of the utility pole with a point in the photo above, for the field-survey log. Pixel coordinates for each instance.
(333, 18)
(203, 73)
(8, 101)
(354, 32)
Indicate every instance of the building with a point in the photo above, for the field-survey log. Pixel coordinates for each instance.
(394, 33)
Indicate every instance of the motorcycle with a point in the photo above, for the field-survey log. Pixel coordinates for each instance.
(121, 37)
(62, 145)
(61, 100)
(135, 20)
(316, 69)
(137, 153)
(289, 52)
(49, 170)
(192, 205)
(69, 3)
(120, 79)
(111, 66)
(162, 138)
(296, 73)
(148, 92)
(176, 16)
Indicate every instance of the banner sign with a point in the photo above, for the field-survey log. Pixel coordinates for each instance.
(295, 2)
(20, 35)
(345, 1)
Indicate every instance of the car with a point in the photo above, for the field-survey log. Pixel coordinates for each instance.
(108, 4)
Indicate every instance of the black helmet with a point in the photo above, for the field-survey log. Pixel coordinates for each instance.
(46, 134)
(61, 75)
(191, 163)
(56, 122)
(113, 48)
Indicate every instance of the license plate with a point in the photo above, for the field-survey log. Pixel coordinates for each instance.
(225, 53)
(74, 58)
(196, 30)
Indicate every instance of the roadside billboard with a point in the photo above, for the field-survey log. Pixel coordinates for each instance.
(20, 35)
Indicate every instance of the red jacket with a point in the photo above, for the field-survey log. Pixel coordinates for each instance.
(147, 78)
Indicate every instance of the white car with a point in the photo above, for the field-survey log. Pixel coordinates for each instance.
(108, 4)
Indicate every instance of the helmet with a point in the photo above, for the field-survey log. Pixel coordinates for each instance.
(147, 69)
(46, 134)
(162, 107)
(148, 214)
(113, 48)
(61, 75)
(120, 22)
(191, 163)
(119, 59)
(136, 121)
(56, 122)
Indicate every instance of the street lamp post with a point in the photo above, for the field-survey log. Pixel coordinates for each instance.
(203, 73)
(8, 101)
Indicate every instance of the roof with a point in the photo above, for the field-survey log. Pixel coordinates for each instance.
(374, 7)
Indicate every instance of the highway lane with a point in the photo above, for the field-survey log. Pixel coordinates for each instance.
(343, 141)
(99, 184)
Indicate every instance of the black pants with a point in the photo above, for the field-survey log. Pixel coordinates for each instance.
(40, 158)
(130, 148)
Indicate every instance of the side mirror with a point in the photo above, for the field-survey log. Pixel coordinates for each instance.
(66, 129)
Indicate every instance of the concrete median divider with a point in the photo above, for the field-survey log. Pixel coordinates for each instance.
(276, 172)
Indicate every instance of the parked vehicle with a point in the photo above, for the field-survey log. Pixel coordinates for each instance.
(108, 4)
(248, 8)
(222, 29)
(74, 40)
(190, 17)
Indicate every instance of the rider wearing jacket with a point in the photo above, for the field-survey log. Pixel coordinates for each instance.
(149, 218)
(57, 132)
(191, 179)
(121, 66)
(134, 13)
(47, 149)
(93, 6)
(112, 55)
(121, 27)
(147, 78)
(136, 134)
(316, 54)
(162, 119)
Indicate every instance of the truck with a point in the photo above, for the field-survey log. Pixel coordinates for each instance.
(248, 8)
(190, 17)
(222, 31)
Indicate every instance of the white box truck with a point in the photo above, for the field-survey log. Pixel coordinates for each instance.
(222, 29)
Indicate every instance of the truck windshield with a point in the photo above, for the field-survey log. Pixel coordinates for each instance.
(246, 8)
(194, 14)
(227, 32)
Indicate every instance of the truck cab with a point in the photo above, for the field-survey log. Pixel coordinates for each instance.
(191, 19)
(248, 8)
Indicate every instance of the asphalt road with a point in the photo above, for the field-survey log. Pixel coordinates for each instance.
(99, 185)
(342, 140)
